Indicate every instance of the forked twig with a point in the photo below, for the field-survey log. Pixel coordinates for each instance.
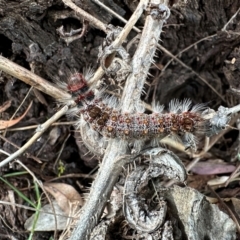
(190, 69)
(40, 130)
(122, 36)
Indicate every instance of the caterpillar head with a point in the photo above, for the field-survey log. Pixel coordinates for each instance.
(77, 84)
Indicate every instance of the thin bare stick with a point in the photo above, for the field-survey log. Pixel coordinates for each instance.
(29, 91)
(113, 13)
(35, 126)
(40, 131)
(73, 175)
(234, 109)
(32, 79)
(189, 68)
(141, 63)
(16, 146)
(86, 16)
(187, 48)
(236, 91)
(234, 15)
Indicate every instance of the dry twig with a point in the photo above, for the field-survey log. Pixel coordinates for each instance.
(86, 16)
(40, 130)
(32, 79)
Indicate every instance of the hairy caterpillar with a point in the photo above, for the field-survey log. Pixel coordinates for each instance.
(182, 121)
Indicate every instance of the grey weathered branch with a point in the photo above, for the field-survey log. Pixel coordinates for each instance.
(111, 165)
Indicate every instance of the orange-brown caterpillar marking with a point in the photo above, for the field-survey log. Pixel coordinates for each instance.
(141, 126)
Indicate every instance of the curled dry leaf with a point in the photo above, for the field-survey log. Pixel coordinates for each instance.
(64, 194)
(136, 211)
(138, 214)
(166, 163)
(5, 124)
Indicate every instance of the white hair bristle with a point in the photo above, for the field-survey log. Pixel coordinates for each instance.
(157, 108)
(155, 142)
(138, 144)
(140, 108)
(61, 84)
(198, 107)
(185, 105)
(112, 102)
(174, 106)
(81, 122)
(64, 101)
(88, 73)
(123, 143)
(152, 60)
(143, 91)
(71, 72)
(150, 75)
(73, 112)
(99, 93)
